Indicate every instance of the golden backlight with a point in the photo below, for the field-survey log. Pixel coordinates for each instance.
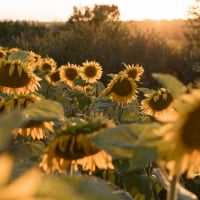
(60, 10)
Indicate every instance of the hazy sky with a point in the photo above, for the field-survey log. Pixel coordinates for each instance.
(60, 10)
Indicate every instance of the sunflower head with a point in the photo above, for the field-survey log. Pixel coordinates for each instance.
(17, 77)
(19, 101)
(134, 71)
(91, 71)
(72, 145)
(47, 65)
(158, 103)
(54, 77)
(121, 89)
(3, 53)
(35, 129)
(180, 146)
(69, 73)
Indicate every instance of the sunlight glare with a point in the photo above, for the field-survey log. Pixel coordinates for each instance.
(60, 10)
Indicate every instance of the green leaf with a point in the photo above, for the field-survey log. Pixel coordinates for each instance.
(146, 90)
(37, 148)
(171, 83)
(134, 183)
(19, 55)
(76, 188)
(122, 140)
(142, 155)
(27, 150)
(45, 110)
(8, 122)
(56, 188)
(130, 113)
(119, 141)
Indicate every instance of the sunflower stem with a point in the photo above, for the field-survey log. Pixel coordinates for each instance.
(173, 192)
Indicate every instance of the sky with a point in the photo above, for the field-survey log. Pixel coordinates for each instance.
(60, 10)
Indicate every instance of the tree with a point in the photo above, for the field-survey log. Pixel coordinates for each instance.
(192, 32)
(96, 15)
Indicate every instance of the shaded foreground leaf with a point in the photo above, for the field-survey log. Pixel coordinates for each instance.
(8, 122)
(45, 110)
(76, 188)
(122, 140)
(119, 141)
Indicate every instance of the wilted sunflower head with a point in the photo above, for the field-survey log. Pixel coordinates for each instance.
(19, 101)
(35, 129)
(47, 65)
(54, 77)
(17, 77)
(134, 71)
(72, 145)
(3, 52)
(158, 103)
(91, 71)
(180, 146)
(69, 73)
(121, 89)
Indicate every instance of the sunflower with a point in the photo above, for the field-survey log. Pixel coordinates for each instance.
(3, 52)
(34, 59)
(69, 73)
(101, 160)
(52, 163)
(158, 104)
(74, 151)
(54, 77)
(47, 65)
(19, 101)
(121, 89)
(180, 146)
(17, 77)
(35, 129)
(73, 148)
(134, 71)
(91, 71)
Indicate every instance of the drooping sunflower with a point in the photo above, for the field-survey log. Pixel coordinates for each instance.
(35, 129)
(100, 160)
(69, 73)
(134, 71)
(121, 89)
(54, 77)
(17, 77)
(180, 144)
(34, 59)
(3, 52)
(91, 71)
(47, 65)
(75, 149)
(158, 104)
(19, 101)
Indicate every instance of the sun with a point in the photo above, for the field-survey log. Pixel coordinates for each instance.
(154, 9)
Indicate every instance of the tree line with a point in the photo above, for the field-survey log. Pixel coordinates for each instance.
(98, 34)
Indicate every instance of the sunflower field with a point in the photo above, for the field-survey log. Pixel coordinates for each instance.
(66, 135)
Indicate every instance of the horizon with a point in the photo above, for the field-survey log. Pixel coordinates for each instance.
(61, 10)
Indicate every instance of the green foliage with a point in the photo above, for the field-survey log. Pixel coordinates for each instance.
(45, 110)
(146, 185)
(123, 141)
(95, 34)
(7, 123)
